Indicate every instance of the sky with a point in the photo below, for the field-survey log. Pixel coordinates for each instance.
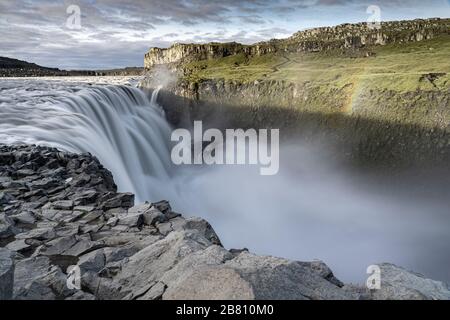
(117, 33)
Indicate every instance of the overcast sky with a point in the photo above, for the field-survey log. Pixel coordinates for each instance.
(116, 33)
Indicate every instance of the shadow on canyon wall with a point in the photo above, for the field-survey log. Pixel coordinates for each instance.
(361, 143)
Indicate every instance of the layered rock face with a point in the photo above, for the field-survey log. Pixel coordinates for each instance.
(61, 212)
(313, 40)
(191, 52)
(362, 34)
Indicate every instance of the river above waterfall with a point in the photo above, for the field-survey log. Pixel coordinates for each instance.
(312, 209)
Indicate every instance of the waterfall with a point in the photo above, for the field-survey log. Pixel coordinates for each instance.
(118, 124)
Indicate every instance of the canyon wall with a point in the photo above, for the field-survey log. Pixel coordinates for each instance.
(363, 138)
(360, 88)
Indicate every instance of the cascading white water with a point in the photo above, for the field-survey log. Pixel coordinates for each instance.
(309, 210)
(111, 122)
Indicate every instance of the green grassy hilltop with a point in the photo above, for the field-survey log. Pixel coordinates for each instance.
(399, 67)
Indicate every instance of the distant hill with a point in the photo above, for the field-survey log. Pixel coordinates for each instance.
(128, 71)
(10, 63)
(10, 67)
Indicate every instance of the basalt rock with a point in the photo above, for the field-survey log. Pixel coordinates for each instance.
(146, 251)
(398, 283)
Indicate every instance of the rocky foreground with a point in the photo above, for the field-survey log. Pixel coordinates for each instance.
(59, 209)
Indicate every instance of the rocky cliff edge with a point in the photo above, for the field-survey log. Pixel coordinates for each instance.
(59, 210)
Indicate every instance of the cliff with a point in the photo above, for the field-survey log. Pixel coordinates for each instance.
(360, 35)
(342, 37)
(191, 52)
(61, 211)
(379, 96)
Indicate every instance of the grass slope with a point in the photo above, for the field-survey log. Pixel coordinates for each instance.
(394, 67)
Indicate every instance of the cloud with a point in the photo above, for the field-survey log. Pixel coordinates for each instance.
(117, 33)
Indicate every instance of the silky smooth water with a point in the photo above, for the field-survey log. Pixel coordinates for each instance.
(312, 209)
